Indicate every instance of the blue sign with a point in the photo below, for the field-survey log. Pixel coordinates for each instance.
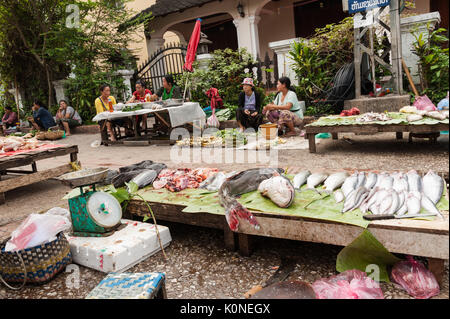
(364, 5)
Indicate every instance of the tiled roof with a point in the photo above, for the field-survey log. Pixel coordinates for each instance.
(164, 7)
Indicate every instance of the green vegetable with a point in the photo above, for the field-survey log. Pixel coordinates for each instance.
(132, 108)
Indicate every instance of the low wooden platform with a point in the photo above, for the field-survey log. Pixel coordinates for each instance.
(399, 129)
(22, 177)
(428, 239)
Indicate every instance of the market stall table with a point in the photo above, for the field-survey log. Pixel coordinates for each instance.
(178, 115)
(398, 125)
(24, 158)
(426, 238)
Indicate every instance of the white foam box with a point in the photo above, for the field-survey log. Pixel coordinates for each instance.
(120, 251)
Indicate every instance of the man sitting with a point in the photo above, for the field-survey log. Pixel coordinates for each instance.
(42, 119)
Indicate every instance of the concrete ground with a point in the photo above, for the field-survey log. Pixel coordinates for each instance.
(199, 266)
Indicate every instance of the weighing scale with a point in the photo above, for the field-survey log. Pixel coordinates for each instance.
(93, 214)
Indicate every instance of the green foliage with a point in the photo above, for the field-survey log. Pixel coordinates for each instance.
(433, 63)
(226, 70)
(34, 51)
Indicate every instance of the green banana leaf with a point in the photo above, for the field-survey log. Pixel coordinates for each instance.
(367, 254)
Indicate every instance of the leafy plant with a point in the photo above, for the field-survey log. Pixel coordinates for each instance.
(433, 63)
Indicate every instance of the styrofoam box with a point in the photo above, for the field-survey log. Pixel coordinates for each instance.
(120, 251)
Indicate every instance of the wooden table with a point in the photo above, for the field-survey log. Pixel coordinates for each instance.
(429, 239)
(8, 163)
(311, 131)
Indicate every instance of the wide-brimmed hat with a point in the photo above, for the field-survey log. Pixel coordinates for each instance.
(248, 81)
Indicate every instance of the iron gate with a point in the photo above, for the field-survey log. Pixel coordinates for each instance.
(166, 60)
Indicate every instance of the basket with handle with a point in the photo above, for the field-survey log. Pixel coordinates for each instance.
(35, 265)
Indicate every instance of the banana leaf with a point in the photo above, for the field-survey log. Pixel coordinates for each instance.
(367, 254)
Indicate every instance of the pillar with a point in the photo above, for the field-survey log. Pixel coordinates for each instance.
(59, 90)
(247, 32)
(127, 75)
(155, 43)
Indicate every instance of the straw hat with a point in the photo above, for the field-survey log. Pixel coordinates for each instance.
(248, 81)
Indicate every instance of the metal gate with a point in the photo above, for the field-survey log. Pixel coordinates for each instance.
(166, 60)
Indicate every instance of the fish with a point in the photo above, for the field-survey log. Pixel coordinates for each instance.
(387, 182)
(214, 182)
(338, 196)
(400, 183)
(241, 183)
(433, 186)
(300, 179)
(386, 203)
(361, 179)
(315, 179)
(395, 203)
(279, 189)
(376, 200)
(371, 180)
(145, 178)
(414, 181)
(413, 202)
(414, 117)
(349, 184)
(334, 181)
(430, 207)
(353, 198)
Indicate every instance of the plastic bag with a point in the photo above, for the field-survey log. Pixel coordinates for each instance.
(418, 281)
(443, 104)
(350, 284)
(36, 230)
(424, 103)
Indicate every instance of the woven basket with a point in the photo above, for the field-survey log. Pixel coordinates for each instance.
(50, 135)
(41, 263)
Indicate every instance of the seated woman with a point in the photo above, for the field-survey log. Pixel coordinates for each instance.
(105, 103)
(67, 117)
(9, 119)
(168, 91)
(248, 113)
(285, 110)
(42, 119)
(141, 95)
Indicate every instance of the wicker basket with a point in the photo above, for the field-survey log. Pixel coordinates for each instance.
(41, 263)
(50, 135)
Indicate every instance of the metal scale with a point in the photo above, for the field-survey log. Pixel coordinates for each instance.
(93, 214)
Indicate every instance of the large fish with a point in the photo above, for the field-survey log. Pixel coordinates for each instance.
(334, 181)
(414, 181)
(300, 179)
(315, 179)
(354, 199)
(371, 180)
(413, 202)
(349, 184)
(279, 189)
(361, 179)
(429, 206)
(242, 182)
(433, 186)
(214, 182)
(400, 183)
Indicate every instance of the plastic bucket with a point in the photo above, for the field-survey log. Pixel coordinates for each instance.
(269, 131)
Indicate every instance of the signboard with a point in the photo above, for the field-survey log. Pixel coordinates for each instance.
(365, 5)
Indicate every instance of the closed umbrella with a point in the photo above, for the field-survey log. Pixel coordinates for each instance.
(192, 51)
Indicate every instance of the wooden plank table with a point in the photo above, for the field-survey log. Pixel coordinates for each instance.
(8, 163)
(428, 239)
(399, 129)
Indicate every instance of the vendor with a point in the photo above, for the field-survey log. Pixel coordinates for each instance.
(67, 117)
(141, 95)
(9, 119)
(248, 113)
(42, 119)
(168, 91)
(285, 110)
(105, 103)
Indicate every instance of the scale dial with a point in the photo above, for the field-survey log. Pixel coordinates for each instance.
(104, 209)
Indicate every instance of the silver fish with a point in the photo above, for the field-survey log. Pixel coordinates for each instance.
(349, 184)
(433, 186)
(400, 183)
(315, 179)
(334, 181)
(279, 189)
(371, 180)
(386, 203)
(353, 199)
(214, 182)
(395, 203)
(413, 202)
(300, 179)
(338, 196)
(240, 183)
(402, 210)
(387, 182)
(429, 206)
(414, 181)
(361, 179)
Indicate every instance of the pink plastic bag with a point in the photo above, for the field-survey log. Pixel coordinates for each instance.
(418, 281)
(423, 103)
(351, 284)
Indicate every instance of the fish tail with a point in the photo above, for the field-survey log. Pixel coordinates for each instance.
(237, 210)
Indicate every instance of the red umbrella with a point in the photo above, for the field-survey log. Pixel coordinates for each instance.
(192, 47)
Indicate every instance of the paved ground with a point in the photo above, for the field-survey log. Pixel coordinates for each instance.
(199, 266)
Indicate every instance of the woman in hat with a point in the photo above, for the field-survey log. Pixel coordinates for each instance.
(248, 113)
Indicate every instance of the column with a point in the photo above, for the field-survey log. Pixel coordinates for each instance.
(254, 20)
(155, 43)
(127, 75)
(247, 33)
(59, 90)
